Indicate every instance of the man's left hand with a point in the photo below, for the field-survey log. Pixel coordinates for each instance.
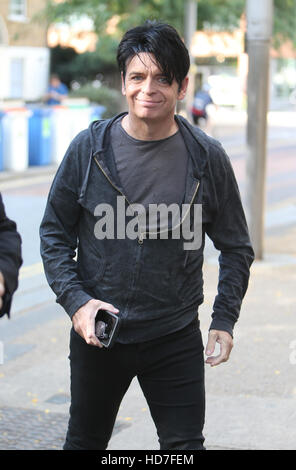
(2, 288)
(226, 344)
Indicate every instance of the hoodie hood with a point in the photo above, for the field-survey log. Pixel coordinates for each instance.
(196, 142)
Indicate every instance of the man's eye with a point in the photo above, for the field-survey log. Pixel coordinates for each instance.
(136, 77)
(163, 80)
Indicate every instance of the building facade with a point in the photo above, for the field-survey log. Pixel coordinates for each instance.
(24, 55)
(222, 61)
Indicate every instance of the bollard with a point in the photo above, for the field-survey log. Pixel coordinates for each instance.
(15, 139)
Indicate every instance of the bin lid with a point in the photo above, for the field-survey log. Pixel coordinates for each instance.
(17, 109)
(40, 111)
(17, 112)
(78, 106)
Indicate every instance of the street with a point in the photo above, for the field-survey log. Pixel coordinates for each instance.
(250, 400)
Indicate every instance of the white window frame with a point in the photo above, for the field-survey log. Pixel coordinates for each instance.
(18, 10)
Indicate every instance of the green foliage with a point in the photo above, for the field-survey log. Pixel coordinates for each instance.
(103, 95)
(61, 59)
(284, 21)
(72, 66)
(214, 14)
(220, 14)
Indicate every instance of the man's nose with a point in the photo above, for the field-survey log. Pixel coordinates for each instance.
(148, 86)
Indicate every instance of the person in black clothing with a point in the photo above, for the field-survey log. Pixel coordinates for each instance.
(99, 252)
(10, 260)
(202, 100)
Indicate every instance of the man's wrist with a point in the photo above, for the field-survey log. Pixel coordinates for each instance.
(222, 325)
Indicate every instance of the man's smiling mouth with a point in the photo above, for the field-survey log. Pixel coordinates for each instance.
(148, 102)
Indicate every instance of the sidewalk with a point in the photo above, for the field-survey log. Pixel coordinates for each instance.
(37, 174)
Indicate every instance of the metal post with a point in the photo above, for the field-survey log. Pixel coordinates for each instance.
(259, 31)
(189, 30)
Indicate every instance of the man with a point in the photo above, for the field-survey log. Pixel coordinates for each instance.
(10, 260)
(202, 100)
(135, 160)
(57, 91)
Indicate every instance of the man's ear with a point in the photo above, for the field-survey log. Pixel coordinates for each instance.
(183, 89)
(122, 84)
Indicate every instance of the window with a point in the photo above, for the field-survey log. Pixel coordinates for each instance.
(18, 8)
(16, 77)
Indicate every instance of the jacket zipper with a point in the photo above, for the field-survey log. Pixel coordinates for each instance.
(176, 226)
(111, 181)
(141, 234)
(140, 240)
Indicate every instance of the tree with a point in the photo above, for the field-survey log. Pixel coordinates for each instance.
(284, 21)
(61, 59)
(213, 14)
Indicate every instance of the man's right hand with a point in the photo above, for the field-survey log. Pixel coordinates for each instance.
(84, 320)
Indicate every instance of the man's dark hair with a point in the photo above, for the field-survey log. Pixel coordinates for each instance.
(161, 40)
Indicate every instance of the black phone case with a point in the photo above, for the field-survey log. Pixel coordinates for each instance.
(113, 322)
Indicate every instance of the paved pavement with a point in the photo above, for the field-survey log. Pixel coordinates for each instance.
(250, 399)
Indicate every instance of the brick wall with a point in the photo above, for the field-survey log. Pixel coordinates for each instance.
(27, 32)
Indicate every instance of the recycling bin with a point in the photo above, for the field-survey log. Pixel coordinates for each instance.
(40, 136)
(79, 118)
(97, 112)
(61, 133)
(15, 139)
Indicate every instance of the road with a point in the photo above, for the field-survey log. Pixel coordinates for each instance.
(35, 375)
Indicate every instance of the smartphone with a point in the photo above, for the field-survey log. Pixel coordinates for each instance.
(106, 327)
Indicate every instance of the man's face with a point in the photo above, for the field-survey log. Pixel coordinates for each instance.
(148, 93)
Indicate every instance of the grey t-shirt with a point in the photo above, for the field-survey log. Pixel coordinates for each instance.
(150, 172)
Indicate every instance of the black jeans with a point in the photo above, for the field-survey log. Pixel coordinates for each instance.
(170, 371)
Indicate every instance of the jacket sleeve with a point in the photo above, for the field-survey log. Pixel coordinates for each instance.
(10, 257)
(229, 232)
(59, 233)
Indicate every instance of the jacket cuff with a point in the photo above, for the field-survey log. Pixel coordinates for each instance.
(72, 300)
(6, 304)
(222, 325)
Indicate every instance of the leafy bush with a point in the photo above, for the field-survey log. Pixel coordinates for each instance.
(70, 65)
(102, 95)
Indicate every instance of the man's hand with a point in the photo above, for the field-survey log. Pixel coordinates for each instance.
(226, 345)
(84, 320)
(2, 288)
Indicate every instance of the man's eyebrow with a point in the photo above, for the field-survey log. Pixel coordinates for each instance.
(136, 72)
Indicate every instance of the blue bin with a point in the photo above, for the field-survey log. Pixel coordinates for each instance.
(40, 136)
(97, 112)
(1, 141)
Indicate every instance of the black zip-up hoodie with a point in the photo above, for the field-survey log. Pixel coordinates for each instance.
(156, 284)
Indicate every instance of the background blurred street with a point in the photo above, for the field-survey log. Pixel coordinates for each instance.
(250, 400)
